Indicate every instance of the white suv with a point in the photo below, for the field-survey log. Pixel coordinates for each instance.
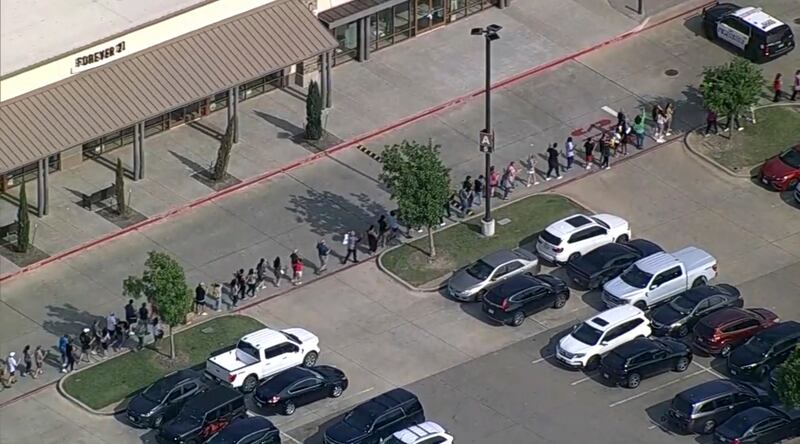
(425, 433)
(577, 235)
(588, 341)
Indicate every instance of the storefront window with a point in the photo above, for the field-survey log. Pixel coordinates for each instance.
(108, 143)
(402, 22)
(347, 36)
(457, 9)
(29, 172)
(389, 27)
(155, 125)
(219, 101)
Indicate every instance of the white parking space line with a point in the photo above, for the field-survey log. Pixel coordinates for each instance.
(654, 389)
(609, 110)
(588, 377)
(357, 394)
(542, 359)
(708, 369)
(291, 438)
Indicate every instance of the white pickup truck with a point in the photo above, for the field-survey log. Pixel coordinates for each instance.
(657, 278)
(262, 354)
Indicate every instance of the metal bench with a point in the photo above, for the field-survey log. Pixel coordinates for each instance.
(11, 228)
(98, 196)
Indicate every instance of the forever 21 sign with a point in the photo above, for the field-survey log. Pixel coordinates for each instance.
(87, 61)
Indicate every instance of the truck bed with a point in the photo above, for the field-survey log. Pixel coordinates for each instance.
(694, 259)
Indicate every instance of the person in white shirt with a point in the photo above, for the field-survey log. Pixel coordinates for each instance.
(11, 366)
(796, 88)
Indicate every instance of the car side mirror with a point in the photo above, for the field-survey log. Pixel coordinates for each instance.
(653, 287)
(575, 327)
(603, 342)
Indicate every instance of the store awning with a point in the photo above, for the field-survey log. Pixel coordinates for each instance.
(354, 10)
(171, 75)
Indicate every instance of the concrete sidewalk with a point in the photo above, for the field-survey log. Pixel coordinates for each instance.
(395, 83)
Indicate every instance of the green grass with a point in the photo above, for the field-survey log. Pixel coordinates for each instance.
(461, 244)
(776, 129)
(114, 380)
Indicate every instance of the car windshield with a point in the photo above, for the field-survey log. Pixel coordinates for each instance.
(682, 305)
(587, 334)
(759, 345)
(778, 34)
(737, 428)
(635, 277)
(480, 270)
(358, 420)
(157, 391)
(791, 157)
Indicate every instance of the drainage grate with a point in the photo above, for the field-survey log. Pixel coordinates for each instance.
(671, 72)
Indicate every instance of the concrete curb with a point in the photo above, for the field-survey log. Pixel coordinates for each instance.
(446, 277)
(122, 405)
(671, 15)
(718, 165)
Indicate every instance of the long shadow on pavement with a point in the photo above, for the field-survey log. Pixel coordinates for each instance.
(323, 211)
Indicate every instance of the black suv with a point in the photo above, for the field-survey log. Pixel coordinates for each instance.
(630, 362)
(523, 295)
(701, 408)
(203, 416)
(604, 263)
(377, 419)
(763, 352)
(252, 430)
(161, 401)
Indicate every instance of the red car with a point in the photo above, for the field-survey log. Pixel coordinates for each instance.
(782, 172)
(721, 331)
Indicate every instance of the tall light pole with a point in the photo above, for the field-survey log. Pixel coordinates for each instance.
(486, 137)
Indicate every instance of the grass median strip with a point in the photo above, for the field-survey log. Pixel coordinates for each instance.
(115, 379)
(460, 244)
(775, 130)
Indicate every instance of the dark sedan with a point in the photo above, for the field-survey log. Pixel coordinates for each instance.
(250, 430)
(759, 425)
(595, 268)
(299, 386)
(763, 352)
(163, 400)
(678, 316)
(642, 357)
(523, 295)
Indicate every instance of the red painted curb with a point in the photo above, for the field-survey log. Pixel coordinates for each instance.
(346, 144)
(27, 394)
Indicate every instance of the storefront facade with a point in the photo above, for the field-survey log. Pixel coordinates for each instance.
(365, 26)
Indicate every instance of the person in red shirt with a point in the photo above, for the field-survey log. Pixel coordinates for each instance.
(297, 267)
(777, 87)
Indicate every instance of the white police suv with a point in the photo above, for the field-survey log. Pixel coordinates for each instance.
(750, 31)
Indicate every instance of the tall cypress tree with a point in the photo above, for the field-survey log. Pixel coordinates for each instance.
(224, 152)
(313, 112)
(23, 222)
(119, 185)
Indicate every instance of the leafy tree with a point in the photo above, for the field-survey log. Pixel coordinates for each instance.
(119, 185)
(419, 183)
(313, 112)
(788, 384)
(163, 284)
(224, 152)
(23, 222)
(733, 88)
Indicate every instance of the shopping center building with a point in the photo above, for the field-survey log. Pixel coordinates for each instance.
(103, 74)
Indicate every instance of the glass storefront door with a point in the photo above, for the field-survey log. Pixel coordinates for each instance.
(347, 36)
(389, 26)
(430, 14)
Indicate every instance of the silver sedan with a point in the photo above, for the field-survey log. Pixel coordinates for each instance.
(469, 283)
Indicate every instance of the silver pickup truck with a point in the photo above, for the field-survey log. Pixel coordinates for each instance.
(657, 278)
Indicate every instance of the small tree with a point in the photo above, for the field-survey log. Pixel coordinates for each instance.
(733, 88)
(419, 183)
(119, 185)
(163, 284)
(224, 152)
(23, 222)
(788, 384)
(313, 112)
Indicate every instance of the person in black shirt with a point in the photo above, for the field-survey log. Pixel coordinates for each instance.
(588, 148)
(552, 162)
(477, 188)
(130, 312)
(144, 314)
(605, 150)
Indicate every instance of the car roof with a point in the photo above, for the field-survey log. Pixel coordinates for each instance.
(516, 283)
(264, 338)
(499, 257)
(242, 427)
(726, 316)
(644, 246)
(636, 346)
(657, 262)
(780, 331)
(289, 376)
(176, 378)
(697, 294)
(613, 316)
(386, 401)
(419, 431)
(608, 251)
(571, 224)
(758, 18)
(214, 397)
(710, 389)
